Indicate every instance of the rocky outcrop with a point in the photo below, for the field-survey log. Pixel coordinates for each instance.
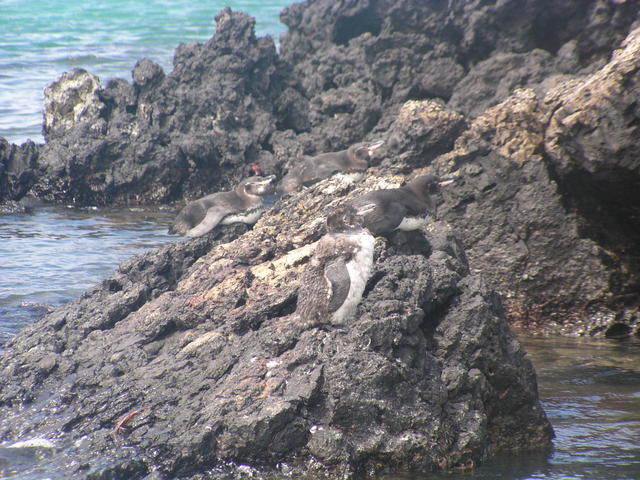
(17, 172)
(343, 70)
(163, 137)
(471, 54)
(546, 204)
(557, 238)
(189, 359)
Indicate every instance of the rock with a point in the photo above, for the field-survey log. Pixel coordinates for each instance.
(194, 353)
(541, 167)
(546, 241)
(163, 137)
(18, 166)
(421, 131)
(493, 80)
(72, 100)
(591, 141)
(547, 204)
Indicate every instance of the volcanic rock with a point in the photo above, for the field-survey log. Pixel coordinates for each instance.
(546, 205)
(18, 166)
(189, 359)
(190, 132)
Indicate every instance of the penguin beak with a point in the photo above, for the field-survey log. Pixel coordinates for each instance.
(264, 181)
(364, 209)
(446, 181)
(375, 145)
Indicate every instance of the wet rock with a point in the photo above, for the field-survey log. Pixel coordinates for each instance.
(190, 359)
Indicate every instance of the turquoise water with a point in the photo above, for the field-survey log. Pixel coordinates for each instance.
(41, 39)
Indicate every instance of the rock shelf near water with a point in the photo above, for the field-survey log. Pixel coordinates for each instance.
(546, 206)
(199, 340)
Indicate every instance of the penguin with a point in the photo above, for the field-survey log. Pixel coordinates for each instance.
(335, 278)
(244, 204)
(406, 208)
(312, 170)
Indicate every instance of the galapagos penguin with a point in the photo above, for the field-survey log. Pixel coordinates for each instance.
(406, 208)
(335, 278)
(312, 170)
(243, 204)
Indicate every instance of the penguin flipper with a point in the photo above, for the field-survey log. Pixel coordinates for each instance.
(210, 220)
(191, 215)
(337, 275)
(382, 219)
(320, 172)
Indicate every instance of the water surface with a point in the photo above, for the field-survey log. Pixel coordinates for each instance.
(53, 255)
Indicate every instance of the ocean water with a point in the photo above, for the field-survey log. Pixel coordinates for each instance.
(52, 255)
(42, 39)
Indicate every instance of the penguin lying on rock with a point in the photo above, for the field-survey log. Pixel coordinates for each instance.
(311, 170)
(244, 204)
(406, 208)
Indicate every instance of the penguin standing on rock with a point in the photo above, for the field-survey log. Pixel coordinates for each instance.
(335, 278)
(406, 208)
(242, 205)
(312, 170)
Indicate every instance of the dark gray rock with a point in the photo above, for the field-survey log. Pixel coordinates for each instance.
(492, 80)
(18, 166)
(546, 204)
(162, 137)
(195, 345)
(343, 71)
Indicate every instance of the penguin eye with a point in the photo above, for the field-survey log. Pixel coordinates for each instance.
(362, 152)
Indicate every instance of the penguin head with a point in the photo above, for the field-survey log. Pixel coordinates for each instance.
(257, 186)
(426, 186)
(362, 151)
(345, 218)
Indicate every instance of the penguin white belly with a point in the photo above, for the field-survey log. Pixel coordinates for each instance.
(359, 268)
(249, 217)
(349, 177)
(412, 223)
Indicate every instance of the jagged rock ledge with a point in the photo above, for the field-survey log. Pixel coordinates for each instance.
(546, 206)
(198, 340)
